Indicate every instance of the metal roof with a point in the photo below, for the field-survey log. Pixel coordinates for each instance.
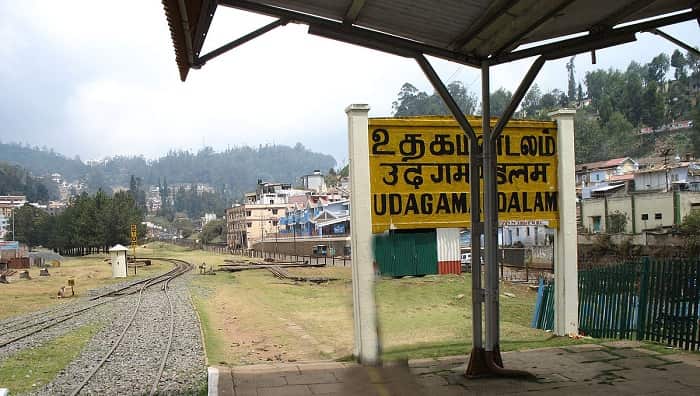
(467, 32)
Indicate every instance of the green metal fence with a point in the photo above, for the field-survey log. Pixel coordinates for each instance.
(544, 306)
(656, 300)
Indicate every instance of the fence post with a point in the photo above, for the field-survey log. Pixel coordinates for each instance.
(643, 299)
(538, 305)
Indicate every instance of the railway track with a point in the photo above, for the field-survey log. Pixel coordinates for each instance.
(27, 322)
(181, 267)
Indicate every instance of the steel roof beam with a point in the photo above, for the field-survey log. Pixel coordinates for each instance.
(674, 40)
(206, 14)
(336, 30)
(475, 29)
(185, 24)
(200, 61)
(623, 12)
(353, 12)
(445, 95)
(587, 43)
(532, 27)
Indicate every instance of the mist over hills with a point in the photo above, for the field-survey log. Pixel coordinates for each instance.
(232, 171)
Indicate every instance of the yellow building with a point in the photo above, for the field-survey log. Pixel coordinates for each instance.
(250, 223)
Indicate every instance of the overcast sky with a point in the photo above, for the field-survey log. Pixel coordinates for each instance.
(98, 78)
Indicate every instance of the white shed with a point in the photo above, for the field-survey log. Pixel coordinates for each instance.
(118, 253)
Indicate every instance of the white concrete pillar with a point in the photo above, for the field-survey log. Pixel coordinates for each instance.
(366, 347)
(565, 238)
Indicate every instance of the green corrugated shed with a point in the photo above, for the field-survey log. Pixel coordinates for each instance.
(402, 253)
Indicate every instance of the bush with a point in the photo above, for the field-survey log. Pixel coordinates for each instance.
(690, 228)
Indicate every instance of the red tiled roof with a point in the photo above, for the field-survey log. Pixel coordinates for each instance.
(625, 177)
(611, 163)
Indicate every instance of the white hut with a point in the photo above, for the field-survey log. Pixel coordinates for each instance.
(118, 253)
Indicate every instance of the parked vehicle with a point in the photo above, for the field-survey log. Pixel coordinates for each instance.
(319, 251)
(466, 261)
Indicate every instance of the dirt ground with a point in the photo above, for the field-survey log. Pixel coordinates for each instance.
(251, 317)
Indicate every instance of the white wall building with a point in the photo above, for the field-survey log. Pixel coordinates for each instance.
(315, 181)
(680, 176)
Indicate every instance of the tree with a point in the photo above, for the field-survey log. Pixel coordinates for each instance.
(631, 105)
(466, 101)
(690, 227)
(695, 134)
(411, 101)
(28, 225)
(212, 230)
(657, 68)
(530, 105)
(500, 99)
(570, 69)
(579, 93)
(621, 136)
(616, 222)
(652, 113)
(589, 139)
(679, 63)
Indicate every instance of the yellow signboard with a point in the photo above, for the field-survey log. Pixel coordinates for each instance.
(419, 173)
(134, 236)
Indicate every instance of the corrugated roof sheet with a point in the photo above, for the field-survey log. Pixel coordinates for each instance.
(470, 30)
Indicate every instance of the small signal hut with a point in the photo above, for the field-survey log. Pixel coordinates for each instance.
(118, 253)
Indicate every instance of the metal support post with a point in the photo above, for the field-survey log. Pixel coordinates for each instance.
(477, 366)
(490, 216)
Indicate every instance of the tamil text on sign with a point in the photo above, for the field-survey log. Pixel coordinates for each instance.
(419, 173)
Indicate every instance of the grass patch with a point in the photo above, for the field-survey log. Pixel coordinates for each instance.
(664, 349)
(214, 344)
(33, 368)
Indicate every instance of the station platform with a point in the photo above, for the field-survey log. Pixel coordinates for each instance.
(618, 368)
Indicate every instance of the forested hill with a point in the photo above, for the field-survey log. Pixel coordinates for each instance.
(16, 181)
(42, 161)
(234, 171)
(613, 106)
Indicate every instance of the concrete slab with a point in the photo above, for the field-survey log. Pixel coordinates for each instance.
(623, 344)
(634, 352)
(583, 348)
(583, 370)
(639, 362)
(692, 359)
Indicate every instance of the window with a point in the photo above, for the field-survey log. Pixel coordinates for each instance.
(274, 211)
(657, 216)
(248, 212)
(249, 225)
(527, 231)
(645, 216)
(596, 223)
(517, 232)
(274, 222)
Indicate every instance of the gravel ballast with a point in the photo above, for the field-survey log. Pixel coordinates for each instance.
(134, 365)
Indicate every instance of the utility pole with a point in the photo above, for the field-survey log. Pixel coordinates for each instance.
(666, 166)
